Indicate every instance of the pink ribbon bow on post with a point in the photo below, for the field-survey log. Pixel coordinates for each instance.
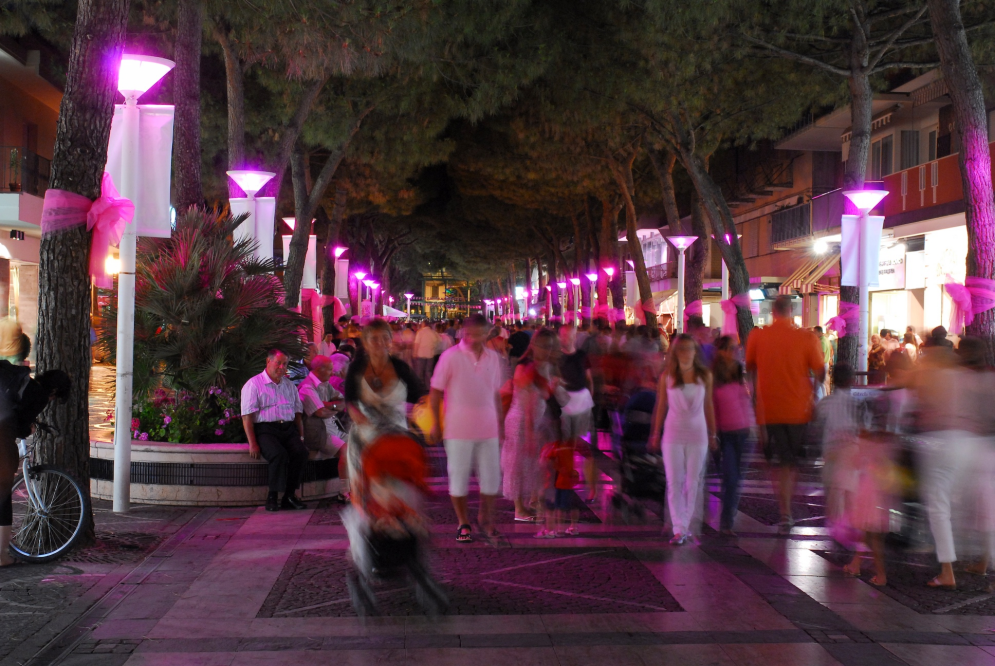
(849, 315)
(730, 308)
(975, 296)
(106, 218)
(692, 309)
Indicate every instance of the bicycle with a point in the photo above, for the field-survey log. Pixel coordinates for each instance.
(50, 509)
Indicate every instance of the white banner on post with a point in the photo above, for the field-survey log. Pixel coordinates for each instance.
(265, 219)
(850, 249)
(310, 279)
(342, 280)
(152, 207)
(246, 230)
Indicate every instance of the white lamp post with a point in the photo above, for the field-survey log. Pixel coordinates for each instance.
(408, 296)
(681, 243)
(136, 75)
(575, 281)
(862, 233)
(359, 284)
(261, 210)
(341, 274)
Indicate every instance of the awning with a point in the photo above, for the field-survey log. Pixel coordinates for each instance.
(391, 312)
(803, 280)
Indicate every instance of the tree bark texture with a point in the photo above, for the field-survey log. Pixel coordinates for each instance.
(696, 256)
(623, 176)
(663, 165)
(717, 213)
(607, 247)
(235, 88)
(186, 97)
(289, 136)
(63, 339)
(975, 160)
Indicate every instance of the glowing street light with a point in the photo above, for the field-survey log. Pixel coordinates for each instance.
(136, 74)
(681, 243)
(610, 271)
(262, 210)
(338, 251)
(861, 242)
(409, 296)
(593, 277)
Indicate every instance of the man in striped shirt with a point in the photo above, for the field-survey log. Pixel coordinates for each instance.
(272, 418)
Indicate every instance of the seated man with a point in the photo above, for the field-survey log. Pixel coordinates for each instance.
(321, 403)
(271, 416)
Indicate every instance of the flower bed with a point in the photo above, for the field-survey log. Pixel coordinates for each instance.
(184, 416)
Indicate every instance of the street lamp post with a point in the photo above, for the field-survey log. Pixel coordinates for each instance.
(408, 296)
(261, 210)
(136, 75)
(725, 271)
(862, 233)
(681, 243)
(341, 274)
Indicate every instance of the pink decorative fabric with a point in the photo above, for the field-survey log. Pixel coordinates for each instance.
(730, 308)
(692, 309)
(975, 296)
(106, 218)
(849, 316)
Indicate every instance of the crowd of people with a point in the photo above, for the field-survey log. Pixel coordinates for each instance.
(520, 407)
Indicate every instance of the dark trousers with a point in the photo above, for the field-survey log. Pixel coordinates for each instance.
(8, 470)
(281, 447)
(733, 445)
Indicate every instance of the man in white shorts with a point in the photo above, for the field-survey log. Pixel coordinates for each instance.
(468, 376)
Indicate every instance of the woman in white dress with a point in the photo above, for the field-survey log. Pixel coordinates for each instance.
(685, 415)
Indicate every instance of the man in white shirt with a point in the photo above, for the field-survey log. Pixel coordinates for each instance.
(426, 341)
(469, 377)
(321, 403)
(271, 417)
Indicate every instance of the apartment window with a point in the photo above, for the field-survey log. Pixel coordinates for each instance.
(881, 157)
(910, 150)
(931, 147)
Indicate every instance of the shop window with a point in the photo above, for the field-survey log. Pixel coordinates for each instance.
(910, 149)
(931, 145)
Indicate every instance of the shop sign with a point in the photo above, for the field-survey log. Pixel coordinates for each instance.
(891, 268)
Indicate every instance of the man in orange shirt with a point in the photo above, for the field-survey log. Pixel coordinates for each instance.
(784, 358)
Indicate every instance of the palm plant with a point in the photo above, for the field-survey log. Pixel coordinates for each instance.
(206, 310)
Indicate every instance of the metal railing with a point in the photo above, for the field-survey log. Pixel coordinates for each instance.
(662, 271)
(790, 223)
(23, 171)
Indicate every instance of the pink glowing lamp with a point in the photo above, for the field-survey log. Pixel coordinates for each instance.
(339, 251)
(610, 271)
(289, 221)
(409, 296)
(138, 73)
(575, 281)
(251, 181)
(865, 200)
(593, 277)
(359, 275)
(369, 283)
(561, 285)
(682, 242)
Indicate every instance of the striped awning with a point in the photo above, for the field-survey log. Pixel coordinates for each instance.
(804, 279)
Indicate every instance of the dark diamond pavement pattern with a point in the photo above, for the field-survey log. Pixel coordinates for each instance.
(481, 581)
(908, 574)
(807, 511)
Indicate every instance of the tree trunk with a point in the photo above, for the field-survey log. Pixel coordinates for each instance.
(607, 249)
(186, 96)
(554, 292)
(235, 89)
(663, 165)
(697, 255)
(861, 113)
(975, 159)
(63, 338)
(724, 227)
(289, 135)
(334, 230)
(623, 176)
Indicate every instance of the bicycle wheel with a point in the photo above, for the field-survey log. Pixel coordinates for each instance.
(46, 532)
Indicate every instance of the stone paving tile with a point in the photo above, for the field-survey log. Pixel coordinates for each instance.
(808, 654)
(933, 655)
(482, 582)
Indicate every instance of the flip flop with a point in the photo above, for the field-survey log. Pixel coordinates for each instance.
(529, 519)
(463, 534)
(935, 583)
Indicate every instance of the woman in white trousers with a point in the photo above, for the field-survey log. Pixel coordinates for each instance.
(686, 418)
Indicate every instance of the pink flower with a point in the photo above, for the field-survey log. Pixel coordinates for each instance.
(135, 423)
(219, 432)
(144, 437)
(166, 420)
(222, 422)
(137, 433)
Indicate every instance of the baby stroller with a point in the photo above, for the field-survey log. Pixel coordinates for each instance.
(385, 525)
(641, 472)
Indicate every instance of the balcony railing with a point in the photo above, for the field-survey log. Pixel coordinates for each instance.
(788, 224)
(925, 185)
(23, 171)
(662, 271)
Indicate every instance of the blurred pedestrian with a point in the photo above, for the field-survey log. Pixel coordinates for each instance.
(685, 415)
(785, 358)
(734, 419)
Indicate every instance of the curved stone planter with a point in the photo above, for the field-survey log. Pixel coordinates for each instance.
(200, 474)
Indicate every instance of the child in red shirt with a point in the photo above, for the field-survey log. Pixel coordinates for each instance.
(563, 478)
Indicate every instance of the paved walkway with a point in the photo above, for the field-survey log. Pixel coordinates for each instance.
(222, 587)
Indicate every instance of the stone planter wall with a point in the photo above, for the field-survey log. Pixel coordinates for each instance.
(200, 474)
